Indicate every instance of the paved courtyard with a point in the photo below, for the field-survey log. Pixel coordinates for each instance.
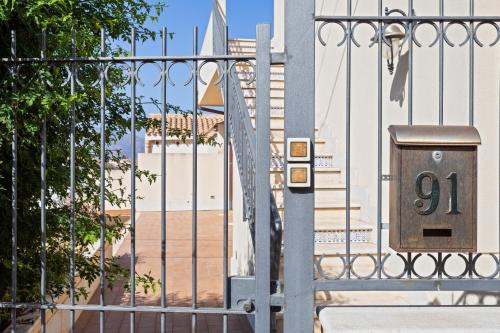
(148, 253)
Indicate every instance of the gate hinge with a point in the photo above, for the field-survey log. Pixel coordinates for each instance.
(242, 294)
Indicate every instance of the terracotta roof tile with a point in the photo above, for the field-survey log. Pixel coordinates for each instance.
(206, 124)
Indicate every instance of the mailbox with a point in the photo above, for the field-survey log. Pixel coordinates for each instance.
(433, 188)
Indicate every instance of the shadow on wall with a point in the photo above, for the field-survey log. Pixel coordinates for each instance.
(398, 87)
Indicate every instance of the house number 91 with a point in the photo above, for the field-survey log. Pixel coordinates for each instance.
(434, 194)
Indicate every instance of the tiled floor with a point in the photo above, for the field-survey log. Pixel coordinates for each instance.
(148, 254)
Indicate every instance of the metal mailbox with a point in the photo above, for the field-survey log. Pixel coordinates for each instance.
(433, 188)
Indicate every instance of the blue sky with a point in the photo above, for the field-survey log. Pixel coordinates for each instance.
(180, 17)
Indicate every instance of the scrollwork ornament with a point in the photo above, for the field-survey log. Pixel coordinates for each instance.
(324, 24)
(491, 276)
(156, 65)
(419, 24)
(430, 276)
(127, 78)
(327, 276)
(251, 77)
(65, 79)
(77, 72)
(406, 266)
(374, 38)
(368, 276)
(462, 24)
(460, 276)
(185, 63)
(476, 29)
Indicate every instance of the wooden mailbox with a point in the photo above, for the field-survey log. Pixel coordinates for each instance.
(433, 189)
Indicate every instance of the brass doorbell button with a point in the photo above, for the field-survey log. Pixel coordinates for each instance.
(298, 150)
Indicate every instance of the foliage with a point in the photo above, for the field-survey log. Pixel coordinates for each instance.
(26, 101)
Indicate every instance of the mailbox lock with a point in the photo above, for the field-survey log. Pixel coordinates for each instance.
(437, 156)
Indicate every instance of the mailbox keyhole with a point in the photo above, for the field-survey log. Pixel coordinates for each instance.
(437, 156)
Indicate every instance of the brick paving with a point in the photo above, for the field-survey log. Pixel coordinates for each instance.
(148, 254)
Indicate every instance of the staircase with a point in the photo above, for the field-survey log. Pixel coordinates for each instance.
(330, 208)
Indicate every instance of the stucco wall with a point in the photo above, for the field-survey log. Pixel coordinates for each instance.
(331, 101)
(179, 181)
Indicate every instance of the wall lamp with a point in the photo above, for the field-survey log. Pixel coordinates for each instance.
(393, 37)
(392, 44)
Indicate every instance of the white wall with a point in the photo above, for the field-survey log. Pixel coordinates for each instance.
(331, 101)
(279, 26)
(243, 253)
(179, 182)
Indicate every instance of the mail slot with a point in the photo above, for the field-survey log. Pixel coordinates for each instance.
(433, 188)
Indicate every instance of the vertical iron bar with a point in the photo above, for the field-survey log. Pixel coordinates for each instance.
(348, 142)
(102, 185)
(471, 90)
(379, 144)
(132, 178)
(72, 184)
(262, 185)
(410, 64)
(409, 259)
(441, 64)
(194, 225)
(226, 178)
(440, 265)
(299, 203)
(43, 215)
(163, 181)
(13, 53)
(471, 66)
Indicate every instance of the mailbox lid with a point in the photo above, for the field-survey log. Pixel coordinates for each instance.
(428, 135)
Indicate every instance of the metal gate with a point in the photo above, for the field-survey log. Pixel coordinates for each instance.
(260, 294)
(238, 292)
(305, 33)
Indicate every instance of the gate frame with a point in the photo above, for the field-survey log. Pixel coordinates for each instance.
(299, 203)
(300, 40)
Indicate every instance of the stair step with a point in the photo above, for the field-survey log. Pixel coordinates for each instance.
(275, 94)
(275, 84)
(249, 87)
(242, 39)
(242, 51)
(275, 103)
(279, 134)
(320, 161)
(329, 205)
(325, 224)
(317, 187)
(326, 176)
(248, 75)
(276, 120)
(247, 67)
(323, 193)
(331, 249)
(282, 129)
(278, 146)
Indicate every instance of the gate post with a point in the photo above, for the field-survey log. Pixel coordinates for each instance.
(299, 203)
(262, 184)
